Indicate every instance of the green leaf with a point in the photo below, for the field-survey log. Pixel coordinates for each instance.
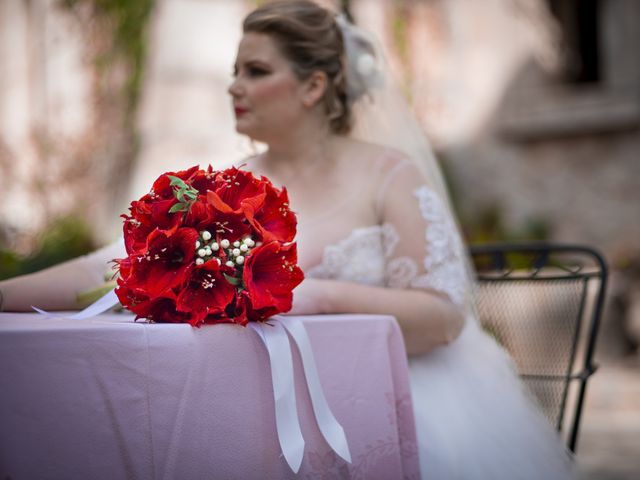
(179, 207)
(232, 280)
(177, 181)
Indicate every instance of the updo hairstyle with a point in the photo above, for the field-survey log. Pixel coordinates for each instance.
(309, 37)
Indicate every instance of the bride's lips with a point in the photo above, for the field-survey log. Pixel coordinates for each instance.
(240, 111)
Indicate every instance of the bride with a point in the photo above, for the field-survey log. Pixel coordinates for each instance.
(375, 235)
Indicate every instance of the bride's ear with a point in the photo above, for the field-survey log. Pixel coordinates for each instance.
(314, 88)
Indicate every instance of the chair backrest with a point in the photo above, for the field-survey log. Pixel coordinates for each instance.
(543, 302)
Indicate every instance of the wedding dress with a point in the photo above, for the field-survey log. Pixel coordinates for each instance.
(474, 419)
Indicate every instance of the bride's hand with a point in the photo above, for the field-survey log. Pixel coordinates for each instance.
(308, 298)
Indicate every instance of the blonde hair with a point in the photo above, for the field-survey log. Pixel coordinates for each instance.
(309, 37)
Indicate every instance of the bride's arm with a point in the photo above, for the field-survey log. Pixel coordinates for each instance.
(57, 287)
(426, 280)
(427, 319)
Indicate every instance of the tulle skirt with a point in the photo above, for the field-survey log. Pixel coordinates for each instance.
(476, 421)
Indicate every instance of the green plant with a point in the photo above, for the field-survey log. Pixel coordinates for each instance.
(129, 20)
(64, 238)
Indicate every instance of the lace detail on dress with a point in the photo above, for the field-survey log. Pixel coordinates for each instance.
(365, 255)
(400, 272)
(443, 263)
(390, 239)
(357, 258)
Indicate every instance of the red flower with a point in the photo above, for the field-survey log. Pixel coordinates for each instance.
(162, 186)
(231, 226)
(207, 292)
(201, 215)
(272, 218)
(147, 216)
(252, 314)
(160, 310)
(166, 264)
(236, 189)
(205, 180)
(270, 274)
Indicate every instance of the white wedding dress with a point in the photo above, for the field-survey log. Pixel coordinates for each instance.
(474, 419)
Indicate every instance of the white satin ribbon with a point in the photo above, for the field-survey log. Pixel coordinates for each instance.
(331, 429)
(101, 305)
(289, 434)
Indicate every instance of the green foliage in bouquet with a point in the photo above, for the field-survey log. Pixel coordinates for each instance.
(185, 194)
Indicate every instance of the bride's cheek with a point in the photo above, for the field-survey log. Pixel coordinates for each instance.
(277, 93)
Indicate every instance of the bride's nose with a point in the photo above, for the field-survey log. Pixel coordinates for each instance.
(235, 88)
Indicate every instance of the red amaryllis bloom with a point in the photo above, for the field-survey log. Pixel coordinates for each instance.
(166, 263)
(133, 300)
(236, 187)
(161, 310)
(232, 227)
(207, 292)
(273, 218)
(205, 180)
(162, 188)
(135, 235)
(145, 217)
(256, 315)
(270, 275)
(201, 215)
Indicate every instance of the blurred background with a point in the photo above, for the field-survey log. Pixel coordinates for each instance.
(533, 107)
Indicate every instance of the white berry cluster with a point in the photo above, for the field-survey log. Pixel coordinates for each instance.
(235, 252)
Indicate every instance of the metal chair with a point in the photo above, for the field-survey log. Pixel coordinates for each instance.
(543, 302)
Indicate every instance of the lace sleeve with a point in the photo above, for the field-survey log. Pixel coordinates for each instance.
(421, 243)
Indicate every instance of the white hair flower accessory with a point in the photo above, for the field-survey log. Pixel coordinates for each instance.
(364, 71)
(366, 64)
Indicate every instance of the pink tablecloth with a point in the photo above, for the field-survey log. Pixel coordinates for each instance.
(109, 398)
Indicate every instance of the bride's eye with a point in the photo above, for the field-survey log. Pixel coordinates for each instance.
(251, 71)
(256, 71)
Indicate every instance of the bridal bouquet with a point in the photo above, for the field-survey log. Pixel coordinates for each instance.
(207, 246)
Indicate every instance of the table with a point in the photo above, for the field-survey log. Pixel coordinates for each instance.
(110, 398)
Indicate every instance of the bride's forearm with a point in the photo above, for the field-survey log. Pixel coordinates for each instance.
(426, 319)
(57, 287)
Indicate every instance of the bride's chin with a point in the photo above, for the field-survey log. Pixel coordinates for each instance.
(251, 133)
(243, 128)
(244, 131)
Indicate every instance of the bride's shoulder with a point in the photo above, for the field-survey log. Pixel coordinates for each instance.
(369, 151)
(376, 158)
